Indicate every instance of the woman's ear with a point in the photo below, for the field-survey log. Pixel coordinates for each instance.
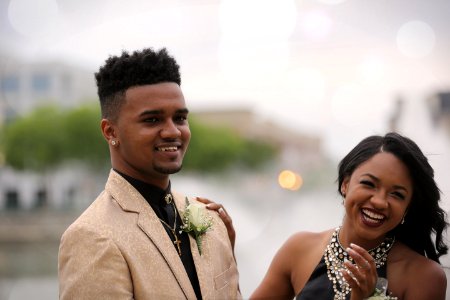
(344, 186)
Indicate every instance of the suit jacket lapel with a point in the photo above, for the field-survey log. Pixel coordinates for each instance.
(202, 262)
(130, 200)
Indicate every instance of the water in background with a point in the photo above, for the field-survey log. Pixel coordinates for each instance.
(264, 216)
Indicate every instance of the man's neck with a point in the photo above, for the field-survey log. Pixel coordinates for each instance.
(162, 182)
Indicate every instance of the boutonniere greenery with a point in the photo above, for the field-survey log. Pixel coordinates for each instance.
(380, 291)
(196, 221)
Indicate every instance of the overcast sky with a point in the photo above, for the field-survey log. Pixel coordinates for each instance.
(329, 67)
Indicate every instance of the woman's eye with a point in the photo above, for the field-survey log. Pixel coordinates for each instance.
(367, 183)
(398, 195)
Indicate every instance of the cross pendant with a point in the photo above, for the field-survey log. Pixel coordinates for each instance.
(177, 242)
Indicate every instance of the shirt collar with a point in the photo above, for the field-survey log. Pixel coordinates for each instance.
(150, 192)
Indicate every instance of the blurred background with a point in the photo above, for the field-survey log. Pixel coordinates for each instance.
(280, 91)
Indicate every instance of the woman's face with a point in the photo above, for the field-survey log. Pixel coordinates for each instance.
(377, 196)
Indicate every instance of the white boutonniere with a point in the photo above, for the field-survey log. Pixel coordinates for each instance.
(196, 221)
(381, 290)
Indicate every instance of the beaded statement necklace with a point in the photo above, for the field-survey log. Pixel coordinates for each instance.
(335, 255)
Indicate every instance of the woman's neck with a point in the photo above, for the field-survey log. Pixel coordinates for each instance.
(347, 235)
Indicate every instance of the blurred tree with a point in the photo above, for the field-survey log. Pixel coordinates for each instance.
(256, 153)
(49, 136)
(34, 141)
(83, 137)
(218, 148)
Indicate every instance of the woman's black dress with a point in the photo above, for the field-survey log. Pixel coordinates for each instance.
(319, 286)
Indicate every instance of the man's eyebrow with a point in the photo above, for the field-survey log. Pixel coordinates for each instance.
(151, 112)
(160, 112)
(183, 111)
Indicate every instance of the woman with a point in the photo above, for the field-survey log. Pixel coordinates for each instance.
(392, 210)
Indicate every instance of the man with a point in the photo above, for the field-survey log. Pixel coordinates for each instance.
(128, 244)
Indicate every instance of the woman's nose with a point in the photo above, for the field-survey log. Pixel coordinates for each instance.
(379, 200)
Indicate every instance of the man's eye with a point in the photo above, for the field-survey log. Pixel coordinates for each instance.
(181, 118)
(151, 120)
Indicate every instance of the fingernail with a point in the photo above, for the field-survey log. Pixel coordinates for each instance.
(354, 245)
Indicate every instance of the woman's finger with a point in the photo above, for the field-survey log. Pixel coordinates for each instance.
(223, 214)
(363, 275)
(365, 259)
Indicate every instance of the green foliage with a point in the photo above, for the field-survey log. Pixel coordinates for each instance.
(211, 148)
(34, 141)
(49, 136)
(85, 141)
(256, 153)
(218, 148)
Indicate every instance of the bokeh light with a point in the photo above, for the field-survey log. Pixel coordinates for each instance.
(290, 180)
(415, 39)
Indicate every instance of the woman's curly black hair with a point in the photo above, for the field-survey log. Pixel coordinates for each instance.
(424, 217)
(128, 70)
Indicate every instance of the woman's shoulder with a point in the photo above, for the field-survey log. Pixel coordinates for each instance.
(420, 270)
(413, 261)
(306, 241)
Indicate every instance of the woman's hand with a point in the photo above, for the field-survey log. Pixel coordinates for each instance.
(362, 275)
(223, 215)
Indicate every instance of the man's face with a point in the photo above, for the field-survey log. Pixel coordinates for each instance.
(152, 132)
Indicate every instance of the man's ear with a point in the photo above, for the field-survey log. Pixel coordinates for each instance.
(108, 130)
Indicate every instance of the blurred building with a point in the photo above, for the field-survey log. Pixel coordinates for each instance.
(24, 86)
(439, 104)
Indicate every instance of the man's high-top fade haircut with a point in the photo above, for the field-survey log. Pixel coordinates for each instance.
(129, 70)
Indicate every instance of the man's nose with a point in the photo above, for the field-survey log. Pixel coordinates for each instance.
(170, 130)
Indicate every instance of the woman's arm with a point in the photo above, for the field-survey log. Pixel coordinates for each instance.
(277, 281)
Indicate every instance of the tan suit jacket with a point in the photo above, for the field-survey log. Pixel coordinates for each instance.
(118, 249)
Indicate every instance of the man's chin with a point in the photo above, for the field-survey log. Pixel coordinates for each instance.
(168, 170)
